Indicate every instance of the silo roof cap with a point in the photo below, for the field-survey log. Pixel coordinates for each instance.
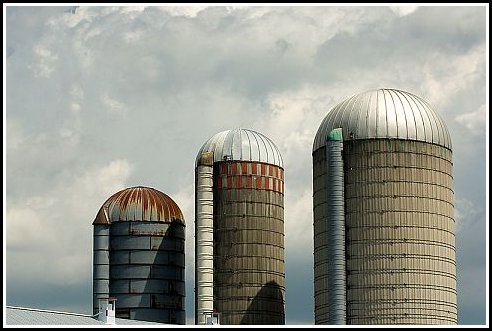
(242, 145)
(384, 113)
(139, 204)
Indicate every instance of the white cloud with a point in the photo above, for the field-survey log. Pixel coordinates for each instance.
(448, 75)
(45, 62)
(25, 229)
(297, 110)
(133, 36)
(14, 134)
(76, 92)
(106, 180)
(466, 214)
(403, 10)
(69, 136)
(75, 107)
(298, 218)
(183, 10)
(52, 233)
(132, 9)
(83, 53)
(474, 121)
(112, 105)
(72, 18)
(168, 78)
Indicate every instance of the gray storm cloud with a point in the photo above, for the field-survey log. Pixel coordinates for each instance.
(100, 98)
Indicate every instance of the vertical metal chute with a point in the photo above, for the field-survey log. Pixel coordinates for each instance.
(335, 222)
(204, 236)
(100, 280)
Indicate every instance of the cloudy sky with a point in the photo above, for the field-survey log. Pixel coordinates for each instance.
(98, 99)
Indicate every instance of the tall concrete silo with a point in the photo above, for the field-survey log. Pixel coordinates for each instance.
(384, 242)
(239, 230)
(139, 237)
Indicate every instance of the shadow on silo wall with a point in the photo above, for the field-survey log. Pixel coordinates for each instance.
(162, 290)
(267, 307)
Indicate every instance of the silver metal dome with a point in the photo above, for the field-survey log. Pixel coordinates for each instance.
(384, 113)
(242, 145)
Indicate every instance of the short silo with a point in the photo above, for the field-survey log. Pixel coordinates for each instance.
(139, 240)
(384, 242)
(239, 230)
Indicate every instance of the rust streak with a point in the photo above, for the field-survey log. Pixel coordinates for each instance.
(127, 205)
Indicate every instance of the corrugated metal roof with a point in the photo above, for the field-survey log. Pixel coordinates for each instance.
(139, 204)
(385, 113)
(30, 316)
(242, 145)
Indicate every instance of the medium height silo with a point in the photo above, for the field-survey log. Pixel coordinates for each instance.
(239, 230)
(139, 236)
(384, 242)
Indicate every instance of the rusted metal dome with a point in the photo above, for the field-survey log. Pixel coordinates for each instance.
(384, 113)
(139, 204)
